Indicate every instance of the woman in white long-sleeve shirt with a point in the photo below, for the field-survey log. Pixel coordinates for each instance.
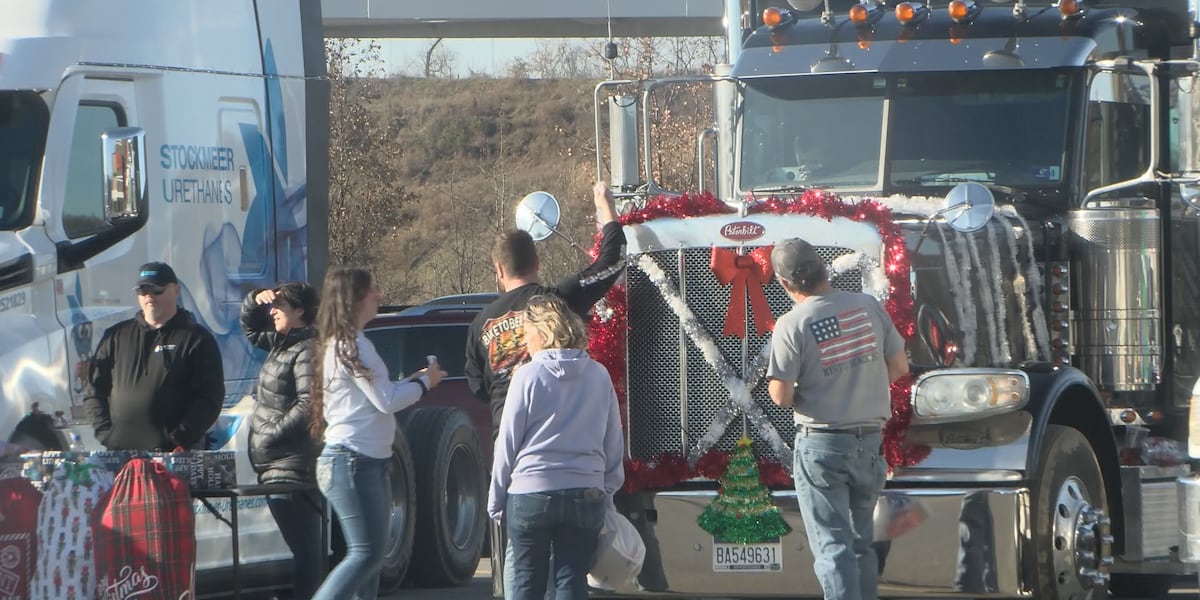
(355, 404)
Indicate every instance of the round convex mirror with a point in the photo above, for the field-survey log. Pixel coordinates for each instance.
(969, 206)
(538, 214)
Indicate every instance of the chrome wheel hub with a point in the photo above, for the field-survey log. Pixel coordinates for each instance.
(397, 519)
(1081, 543)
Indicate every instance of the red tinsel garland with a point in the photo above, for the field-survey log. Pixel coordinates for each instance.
(607, 344)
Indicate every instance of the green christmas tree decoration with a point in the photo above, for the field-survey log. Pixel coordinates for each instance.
(742, 512)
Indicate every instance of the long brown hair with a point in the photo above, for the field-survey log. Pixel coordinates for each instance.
(337, 326)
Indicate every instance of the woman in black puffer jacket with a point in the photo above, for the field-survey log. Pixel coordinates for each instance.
(281, 448)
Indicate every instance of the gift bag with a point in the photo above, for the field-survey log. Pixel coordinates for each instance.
(66, 565)
(18, 537)
(145, 534)
(619, 553)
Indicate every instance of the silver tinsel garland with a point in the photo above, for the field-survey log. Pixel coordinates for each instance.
(740, 398)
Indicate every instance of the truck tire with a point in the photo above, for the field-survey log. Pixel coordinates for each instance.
(401, 525)
(1134, 585)
(451, 496)
(1070, 528)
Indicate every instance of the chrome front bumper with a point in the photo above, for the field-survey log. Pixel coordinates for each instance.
(923, 561)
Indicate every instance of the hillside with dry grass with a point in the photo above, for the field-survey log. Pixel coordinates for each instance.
(424, 172)
(469, 150)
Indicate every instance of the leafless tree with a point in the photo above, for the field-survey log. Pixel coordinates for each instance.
(367, 202)
(439, 61)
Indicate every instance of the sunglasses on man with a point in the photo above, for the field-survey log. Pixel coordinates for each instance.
(150, 290)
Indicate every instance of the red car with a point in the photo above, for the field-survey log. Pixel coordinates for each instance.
(443, 450)
(404, 336)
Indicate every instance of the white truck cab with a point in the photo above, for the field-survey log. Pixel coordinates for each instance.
(134, 131)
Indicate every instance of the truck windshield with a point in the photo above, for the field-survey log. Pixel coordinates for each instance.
(826, 131)
(23, 123)
(1004, 127)
(812, 131)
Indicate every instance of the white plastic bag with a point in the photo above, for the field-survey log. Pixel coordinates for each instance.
(619, 553)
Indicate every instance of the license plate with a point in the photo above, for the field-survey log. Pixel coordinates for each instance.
(748, 558)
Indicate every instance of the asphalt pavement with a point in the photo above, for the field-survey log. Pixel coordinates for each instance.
(480, 588)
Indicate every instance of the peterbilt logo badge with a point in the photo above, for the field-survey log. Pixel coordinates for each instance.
(743, 231)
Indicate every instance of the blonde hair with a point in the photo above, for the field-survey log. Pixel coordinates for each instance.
(558, 325)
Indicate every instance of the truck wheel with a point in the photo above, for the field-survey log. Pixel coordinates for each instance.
(451, 496)
(1131, 585)
(1071, 531)
(401, 525)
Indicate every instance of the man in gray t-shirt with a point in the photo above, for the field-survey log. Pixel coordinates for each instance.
(833, 357)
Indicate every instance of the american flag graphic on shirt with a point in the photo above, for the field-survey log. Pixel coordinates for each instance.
(844, 340)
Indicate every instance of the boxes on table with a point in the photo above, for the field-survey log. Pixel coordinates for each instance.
(201, 469)
(39, 466)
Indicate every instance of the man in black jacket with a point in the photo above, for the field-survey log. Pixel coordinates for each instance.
(496, 342)
(156, 379)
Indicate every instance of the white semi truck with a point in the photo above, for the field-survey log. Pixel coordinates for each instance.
(194, 133)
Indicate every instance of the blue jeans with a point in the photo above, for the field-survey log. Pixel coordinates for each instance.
(839, 477)
(359, 489)
(299, 521)
(567, 521)
(509, 572)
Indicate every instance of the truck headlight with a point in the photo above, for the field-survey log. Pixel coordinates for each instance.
(960, 394)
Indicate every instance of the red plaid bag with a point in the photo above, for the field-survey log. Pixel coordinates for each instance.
(145, 534)
(19, 502)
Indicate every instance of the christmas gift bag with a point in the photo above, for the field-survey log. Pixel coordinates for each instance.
(145, 534)
(66, 565)
(18, 536)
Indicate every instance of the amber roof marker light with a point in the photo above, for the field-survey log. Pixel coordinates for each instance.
(866, 13)
(773, 16)
(911, 13)
(963, 11)
(859, 14)
(1070, 9)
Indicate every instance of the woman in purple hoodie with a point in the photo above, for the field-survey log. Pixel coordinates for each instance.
(559, 457)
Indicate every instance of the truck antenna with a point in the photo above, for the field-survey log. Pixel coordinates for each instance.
(610, 47)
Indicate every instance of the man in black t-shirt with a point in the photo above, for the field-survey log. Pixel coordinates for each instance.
(495, 344)
(495, 341)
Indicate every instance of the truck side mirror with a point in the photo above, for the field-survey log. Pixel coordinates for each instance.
(124, 173)
(1184, 112)
(1190, 193)
(538, 214)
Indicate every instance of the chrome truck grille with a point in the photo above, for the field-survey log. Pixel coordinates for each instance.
(673, 394)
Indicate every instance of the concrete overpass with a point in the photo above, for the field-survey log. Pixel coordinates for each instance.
(520, 18)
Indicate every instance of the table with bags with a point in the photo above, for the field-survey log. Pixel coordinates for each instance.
(110, 524)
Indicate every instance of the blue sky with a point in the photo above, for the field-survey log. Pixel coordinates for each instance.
(470, 54)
